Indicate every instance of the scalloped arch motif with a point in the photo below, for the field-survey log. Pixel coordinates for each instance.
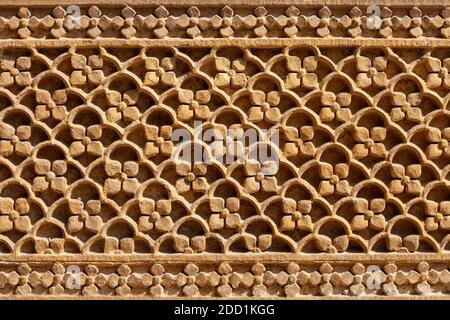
(88, 108)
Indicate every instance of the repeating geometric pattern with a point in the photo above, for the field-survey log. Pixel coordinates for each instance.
(227, 22)
(87, 168)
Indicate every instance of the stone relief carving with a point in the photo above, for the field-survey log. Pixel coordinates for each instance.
(90, 180)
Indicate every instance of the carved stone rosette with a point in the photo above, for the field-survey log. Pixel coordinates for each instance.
(95, 204)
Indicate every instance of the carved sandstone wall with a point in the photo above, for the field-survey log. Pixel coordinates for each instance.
(93, 203)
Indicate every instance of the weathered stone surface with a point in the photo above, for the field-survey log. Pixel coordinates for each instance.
(96, 193)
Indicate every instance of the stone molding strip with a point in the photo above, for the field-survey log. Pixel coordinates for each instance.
(91, 204)
(225, 22)
(224, 280)
(234, 3)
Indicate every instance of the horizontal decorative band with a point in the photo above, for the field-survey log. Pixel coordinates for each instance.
(209, 258)
(214, 42)
(234, 3)
(224, 280)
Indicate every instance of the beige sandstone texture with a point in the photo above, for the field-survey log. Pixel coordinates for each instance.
(93, 203)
